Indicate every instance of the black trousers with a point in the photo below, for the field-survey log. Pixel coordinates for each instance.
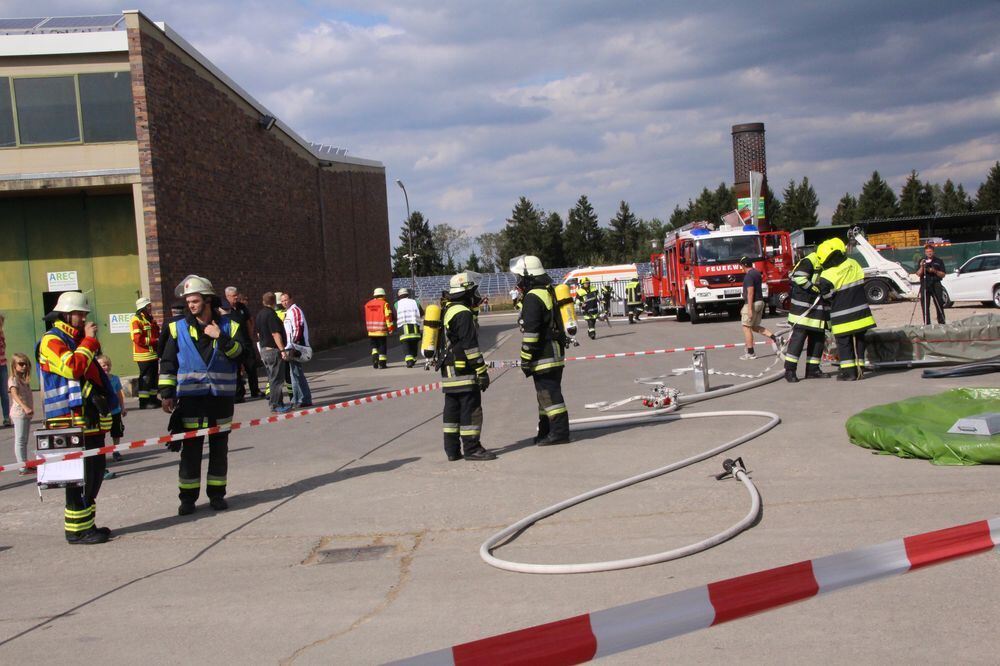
(591, 318)
(193, 413)
(148, 379)
(81, 503)
(634, 310)
(380, 348)
(931, 291)
(552, 415)
(248, 375)
(463, 421)
(412, 347)
(851, 349)
(814, 351)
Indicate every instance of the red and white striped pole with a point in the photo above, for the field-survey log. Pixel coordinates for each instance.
(581, 638)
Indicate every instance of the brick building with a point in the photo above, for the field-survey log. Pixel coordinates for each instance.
(128, 160)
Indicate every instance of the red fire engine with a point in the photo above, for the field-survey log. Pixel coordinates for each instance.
(698, 271)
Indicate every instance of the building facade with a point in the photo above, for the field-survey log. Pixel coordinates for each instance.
(128, 161)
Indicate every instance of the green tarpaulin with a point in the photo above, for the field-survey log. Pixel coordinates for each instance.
(918, 427)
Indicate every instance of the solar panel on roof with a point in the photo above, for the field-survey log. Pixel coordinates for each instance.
(79, 22)
(19, 23)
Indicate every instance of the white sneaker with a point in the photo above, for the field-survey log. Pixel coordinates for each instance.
(749, 356)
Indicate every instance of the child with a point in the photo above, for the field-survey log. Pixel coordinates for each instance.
(22, 406)
(117, 414)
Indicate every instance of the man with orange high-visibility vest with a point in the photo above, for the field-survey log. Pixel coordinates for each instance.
(379, 322)
(145, 338)
(77, 394)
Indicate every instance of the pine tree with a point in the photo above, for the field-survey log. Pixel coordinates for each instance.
(799, 207)
(988, 196)
(847, 210)
(524, 231)
(623, 234)
(473, 263)
(772, 207)
(953, 199)
(426, 261)
(916, 198)
(877, 199)
(582, 243)
(679, 217)
(551, 252)
(649, 231)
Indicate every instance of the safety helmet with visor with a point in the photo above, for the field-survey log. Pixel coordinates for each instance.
(71, 301)
(194, 284)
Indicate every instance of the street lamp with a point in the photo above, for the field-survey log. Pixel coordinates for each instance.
(409, 235)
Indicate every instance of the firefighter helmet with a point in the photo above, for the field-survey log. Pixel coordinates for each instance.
(403, 292)
(193, 284)
(71, 301)
(463, 283)
(379, 291)
(527, 265)
(141, 303)
(828, 247)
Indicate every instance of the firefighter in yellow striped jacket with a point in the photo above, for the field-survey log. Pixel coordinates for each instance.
(842, 283)
(77, 394)
(809, 318)
(145, 340)
(543, 344)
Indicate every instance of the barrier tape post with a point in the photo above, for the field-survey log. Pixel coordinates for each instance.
(598, 634)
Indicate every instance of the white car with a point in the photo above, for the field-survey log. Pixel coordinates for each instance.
(977, 280)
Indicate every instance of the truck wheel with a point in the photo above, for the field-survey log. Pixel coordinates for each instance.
(681, 314)
(877, 291)
(692, 313)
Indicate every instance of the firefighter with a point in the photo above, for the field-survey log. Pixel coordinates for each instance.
(607, 293)
(198, 387)
(378, 321)
(842, 283)
(463, 373)
(543, 341)
(408, 314)
(77, 394)
(587, 296)
(145, 338)
(809, 318)
(633, 297)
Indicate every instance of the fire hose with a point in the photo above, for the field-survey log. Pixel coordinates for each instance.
(663, 415)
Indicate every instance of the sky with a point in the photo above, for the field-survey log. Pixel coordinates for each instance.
(474, 104)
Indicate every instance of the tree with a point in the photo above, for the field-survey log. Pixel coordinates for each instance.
(473, 263)
(679, 217)
(799, 207)
(524, 231)
(953, 199)
(649, 231)
(426, 261)
(551, 252)
(582, 243)
(772, 206)
(489, 251)
(988, 195)
(916, 198)
(449, 243)
(847, 210)
(623, 235)
(877, 199)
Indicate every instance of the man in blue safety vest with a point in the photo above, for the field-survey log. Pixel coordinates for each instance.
(197, 386)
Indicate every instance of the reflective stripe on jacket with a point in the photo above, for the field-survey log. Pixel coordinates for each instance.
(804, 293)
(462, 362)
(68, 373)
(378, 318)
(633, 292)
(844, 285)
(541, 345)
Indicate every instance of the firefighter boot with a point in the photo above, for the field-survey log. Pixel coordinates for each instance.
(185, 509)
(382, 365)
(814, 372)
(790, 377)
(479, 453)
(592, 333)
(90, 537)
(375, 360)
(848, 375)
(218, 503)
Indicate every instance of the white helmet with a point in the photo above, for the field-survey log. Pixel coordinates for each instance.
(193, 284)
(71, 301)
(141, 303)
(527, 265)
(379, 291)
(403, 292)
(463, 283)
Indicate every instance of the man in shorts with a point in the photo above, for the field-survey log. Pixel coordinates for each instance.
(753, 308)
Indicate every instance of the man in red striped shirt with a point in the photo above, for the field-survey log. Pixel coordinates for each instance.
(296, 333)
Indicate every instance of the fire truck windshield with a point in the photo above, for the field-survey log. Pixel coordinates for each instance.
(728, 249)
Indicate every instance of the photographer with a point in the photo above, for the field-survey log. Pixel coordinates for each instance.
(931, 271)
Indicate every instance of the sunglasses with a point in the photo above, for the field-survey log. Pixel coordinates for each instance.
(20, 365)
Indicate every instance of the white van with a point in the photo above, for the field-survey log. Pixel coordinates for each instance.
(617, 276)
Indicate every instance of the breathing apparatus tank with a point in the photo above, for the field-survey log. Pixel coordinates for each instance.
(432, 330)
(565, 303)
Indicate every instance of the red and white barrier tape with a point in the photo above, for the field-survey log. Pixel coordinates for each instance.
(166, 439)
(584, 637)
(647, 352)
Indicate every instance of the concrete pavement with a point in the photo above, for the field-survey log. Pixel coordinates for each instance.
(351, 539)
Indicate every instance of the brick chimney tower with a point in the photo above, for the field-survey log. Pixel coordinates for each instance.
(749, 154)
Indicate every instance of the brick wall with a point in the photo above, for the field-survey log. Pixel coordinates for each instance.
(225, 199)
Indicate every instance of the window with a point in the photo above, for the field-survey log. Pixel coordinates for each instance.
(973, 265)
(991, 262)
(106, 106)
(7, 137)
(46, 110)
